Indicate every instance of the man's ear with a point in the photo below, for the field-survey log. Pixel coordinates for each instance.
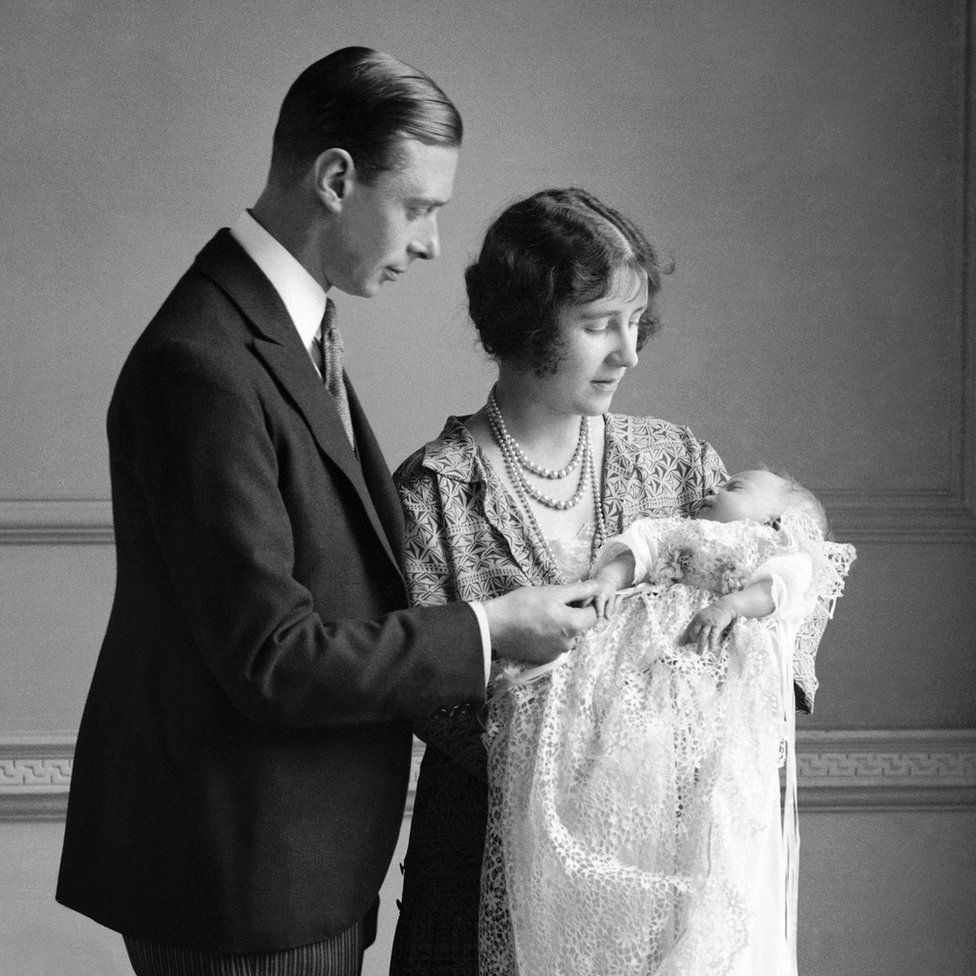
(334, 174)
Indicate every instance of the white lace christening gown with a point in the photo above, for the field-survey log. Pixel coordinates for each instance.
(635, 823)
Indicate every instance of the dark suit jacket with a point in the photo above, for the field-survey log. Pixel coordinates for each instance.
(242, 761)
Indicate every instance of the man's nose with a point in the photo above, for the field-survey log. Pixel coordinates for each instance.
(427, 245)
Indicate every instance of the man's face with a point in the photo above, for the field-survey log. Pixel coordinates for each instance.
(385, 224)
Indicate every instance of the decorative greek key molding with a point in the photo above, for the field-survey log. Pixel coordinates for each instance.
(840, 770)
(883, 769)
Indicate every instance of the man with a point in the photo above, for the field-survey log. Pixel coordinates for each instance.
(242, 761)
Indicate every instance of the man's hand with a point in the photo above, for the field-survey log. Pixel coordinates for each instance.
(536, 624)
(708, 627)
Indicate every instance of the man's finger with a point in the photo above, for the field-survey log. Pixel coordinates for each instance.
(583, 618)
(579, 591)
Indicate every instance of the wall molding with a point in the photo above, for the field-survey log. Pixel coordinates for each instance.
(910, 517)
(843, 770)
(56, 522)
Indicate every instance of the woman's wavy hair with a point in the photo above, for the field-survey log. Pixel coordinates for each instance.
(365, 102)
(556, 248)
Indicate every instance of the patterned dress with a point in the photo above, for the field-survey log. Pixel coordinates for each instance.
(466, 539)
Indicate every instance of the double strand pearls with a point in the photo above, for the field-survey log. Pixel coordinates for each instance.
(515, 459)
(516, 463)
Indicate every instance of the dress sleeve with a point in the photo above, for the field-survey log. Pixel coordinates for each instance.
(829, 563)
(713, 470)
(791, 576)
(642, 539)
(457, 730)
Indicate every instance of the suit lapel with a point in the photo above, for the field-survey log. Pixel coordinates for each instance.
(379, 482)
(278, 346)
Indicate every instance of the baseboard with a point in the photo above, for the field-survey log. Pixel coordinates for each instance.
(875, 769)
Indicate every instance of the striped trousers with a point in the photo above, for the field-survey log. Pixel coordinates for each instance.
(341, 955)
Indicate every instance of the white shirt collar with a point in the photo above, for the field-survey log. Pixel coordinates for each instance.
(302, 295)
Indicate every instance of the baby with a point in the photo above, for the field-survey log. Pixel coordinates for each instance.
(755, 496)
(634, 796)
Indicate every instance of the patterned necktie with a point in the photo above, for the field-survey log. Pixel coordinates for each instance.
(330, 348)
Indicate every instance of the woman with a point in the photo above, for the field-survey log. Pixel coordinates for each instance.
(523, 492)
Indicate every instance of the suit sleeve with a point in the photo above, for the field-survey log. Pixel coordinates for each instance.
(195, 439)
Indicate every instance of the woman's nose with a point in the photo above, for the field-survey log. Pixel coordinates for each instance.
(626, 353)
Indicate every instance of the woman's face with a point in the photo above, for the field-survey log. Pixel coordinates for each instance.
(598, 344)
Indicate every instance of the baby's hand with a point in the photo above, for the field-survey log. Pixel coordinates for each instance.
(708, 626)
(605, 598)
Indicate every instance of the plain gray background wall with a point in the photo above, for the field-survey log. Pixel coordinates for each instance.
(809, 168)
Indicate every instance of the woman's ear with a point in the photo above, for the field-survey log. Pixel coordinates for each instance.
(334, 174)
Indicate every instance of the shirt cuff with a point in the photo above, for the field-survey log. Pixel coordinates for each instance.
(482, 615)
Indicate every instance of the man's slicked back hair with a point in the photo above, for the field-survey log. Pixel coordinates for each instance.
(364, 102)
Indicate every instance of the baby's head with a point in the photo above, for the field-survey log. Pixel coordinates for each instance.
(760, 496)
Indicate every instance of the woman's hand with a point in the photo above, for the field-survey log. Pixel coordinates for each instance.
(708, 627)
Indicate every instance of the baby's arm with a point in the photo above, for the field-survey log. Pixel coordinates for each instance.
(708, 626)
(779, 585)
(625, 559)
(612, 576)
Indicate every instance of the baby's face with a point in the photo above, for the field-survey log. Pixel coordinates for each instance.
(759, 496)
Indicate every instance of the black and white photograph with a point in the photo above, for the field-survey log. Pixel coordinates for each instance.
(488, 489)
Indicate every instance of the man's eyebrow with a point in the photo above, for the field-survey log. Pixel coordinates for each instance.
(426, 201)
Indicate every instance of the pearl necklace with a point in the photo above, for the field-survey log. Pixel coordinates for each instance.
(524, 490)
(495, 417)
(515, 460)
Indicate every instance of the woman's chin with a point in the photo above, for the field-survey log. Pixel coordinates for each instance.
(598, 402)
